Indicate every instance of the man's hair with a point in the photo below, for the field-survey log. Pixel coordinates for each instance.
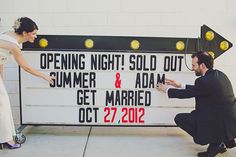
(204, 57)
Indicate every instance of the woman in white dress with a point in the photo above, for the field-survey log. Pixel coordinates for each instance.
(24, 30)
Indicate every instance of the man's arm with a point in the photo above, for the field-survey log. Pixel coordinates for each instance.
(181, 93)
(188, 86)
(199, 89)
(190, 91)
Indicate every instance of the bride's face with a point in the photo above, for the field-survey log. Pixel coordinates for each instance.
(30, 36)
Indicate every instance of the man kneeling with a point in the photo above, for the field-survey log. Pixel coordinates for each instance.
(213, 121)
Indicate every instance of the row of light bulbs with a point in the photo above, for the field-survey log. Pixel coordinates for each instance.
(89, 43)
(135, 44)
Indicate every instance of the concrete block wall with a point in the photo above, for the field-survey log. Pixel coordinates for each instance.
(158, 18)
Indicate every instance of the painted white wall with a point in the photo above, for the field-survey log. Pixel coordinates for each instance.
(158, 18)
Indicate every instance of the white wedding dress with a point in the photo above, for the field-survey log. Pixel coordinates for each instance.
(7, 129)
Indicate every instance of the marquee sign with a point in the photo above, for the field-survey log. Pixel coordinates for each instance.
(108, 80)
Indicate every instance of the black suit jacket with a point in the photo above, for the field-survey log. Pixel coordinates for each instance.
(215, 110)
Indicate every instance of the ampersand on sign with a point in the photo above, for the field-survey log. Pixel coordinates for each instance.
(118, 81)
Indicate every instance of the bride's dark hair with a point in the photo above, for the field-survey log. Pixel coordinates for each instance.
(24, 24)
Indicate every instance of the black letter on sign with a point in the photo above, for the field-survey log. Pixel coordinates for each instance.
(43, 61)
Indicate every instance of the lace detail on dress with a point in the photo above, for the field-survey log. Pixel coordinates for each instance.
(4, 56)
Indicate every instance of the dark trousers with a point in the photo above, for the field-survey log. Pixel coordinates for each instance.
(186, 122)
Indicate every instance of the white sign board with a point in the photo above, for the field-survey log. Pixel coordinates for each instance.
(103, 88)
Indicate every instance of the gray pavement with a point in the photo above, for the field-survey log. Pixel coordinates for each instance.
(67, 141)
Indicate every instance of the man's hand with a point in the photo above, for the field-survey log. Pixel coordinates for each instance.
(162, 87)
(173, 83)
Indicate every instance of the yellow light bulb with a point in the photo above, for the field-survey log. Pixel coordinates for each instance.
(212, 54)
(224, 45)
(43, 43)
(135, 44)
(180, 45)
(89, 43)
(209, 35)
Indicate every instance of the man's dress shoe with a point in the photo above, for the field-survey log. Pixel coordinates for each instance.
(230, 144)
(213, 150)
